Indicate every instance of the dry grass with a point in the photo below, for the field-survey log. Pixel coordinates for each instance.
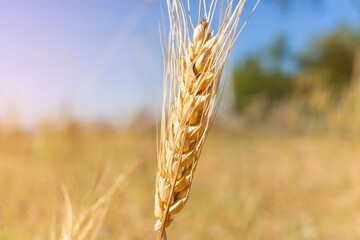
(268, 186)
(35, 166)
(345, 117)
(192, 76)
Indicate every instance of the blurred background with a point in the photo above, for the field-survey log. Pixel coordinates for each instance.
(81, 93)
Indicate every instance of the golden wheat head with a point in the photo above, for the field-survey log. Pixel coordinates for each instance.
(192, 75)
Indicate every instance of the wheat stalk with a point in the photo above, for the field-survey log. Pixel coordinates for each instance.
(192, 77)
(87, 223)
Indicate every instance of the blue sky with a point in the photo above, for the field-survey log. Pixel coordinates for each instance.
(103, 58)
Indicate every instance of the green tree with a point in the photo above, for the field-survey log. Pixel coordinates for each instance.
(252, 82)
(331, 57)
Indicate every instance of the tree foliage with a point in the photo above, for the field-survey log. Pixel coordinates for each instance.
(252, 81)
(330, 58)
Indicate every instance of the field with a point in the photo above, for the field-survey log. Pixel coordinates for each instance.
(247, 186)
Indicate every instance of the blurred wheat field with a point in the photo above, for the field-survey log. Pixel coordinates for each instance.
(248, 186)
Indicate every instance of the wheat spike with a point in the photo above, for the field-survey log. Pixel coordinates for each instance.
(192, 78)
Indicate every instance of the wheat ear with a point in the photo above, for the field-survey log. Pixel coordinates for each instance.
(192, 76)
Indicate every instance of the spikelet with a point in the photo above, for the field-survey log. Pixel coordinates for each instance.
(192, 77)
